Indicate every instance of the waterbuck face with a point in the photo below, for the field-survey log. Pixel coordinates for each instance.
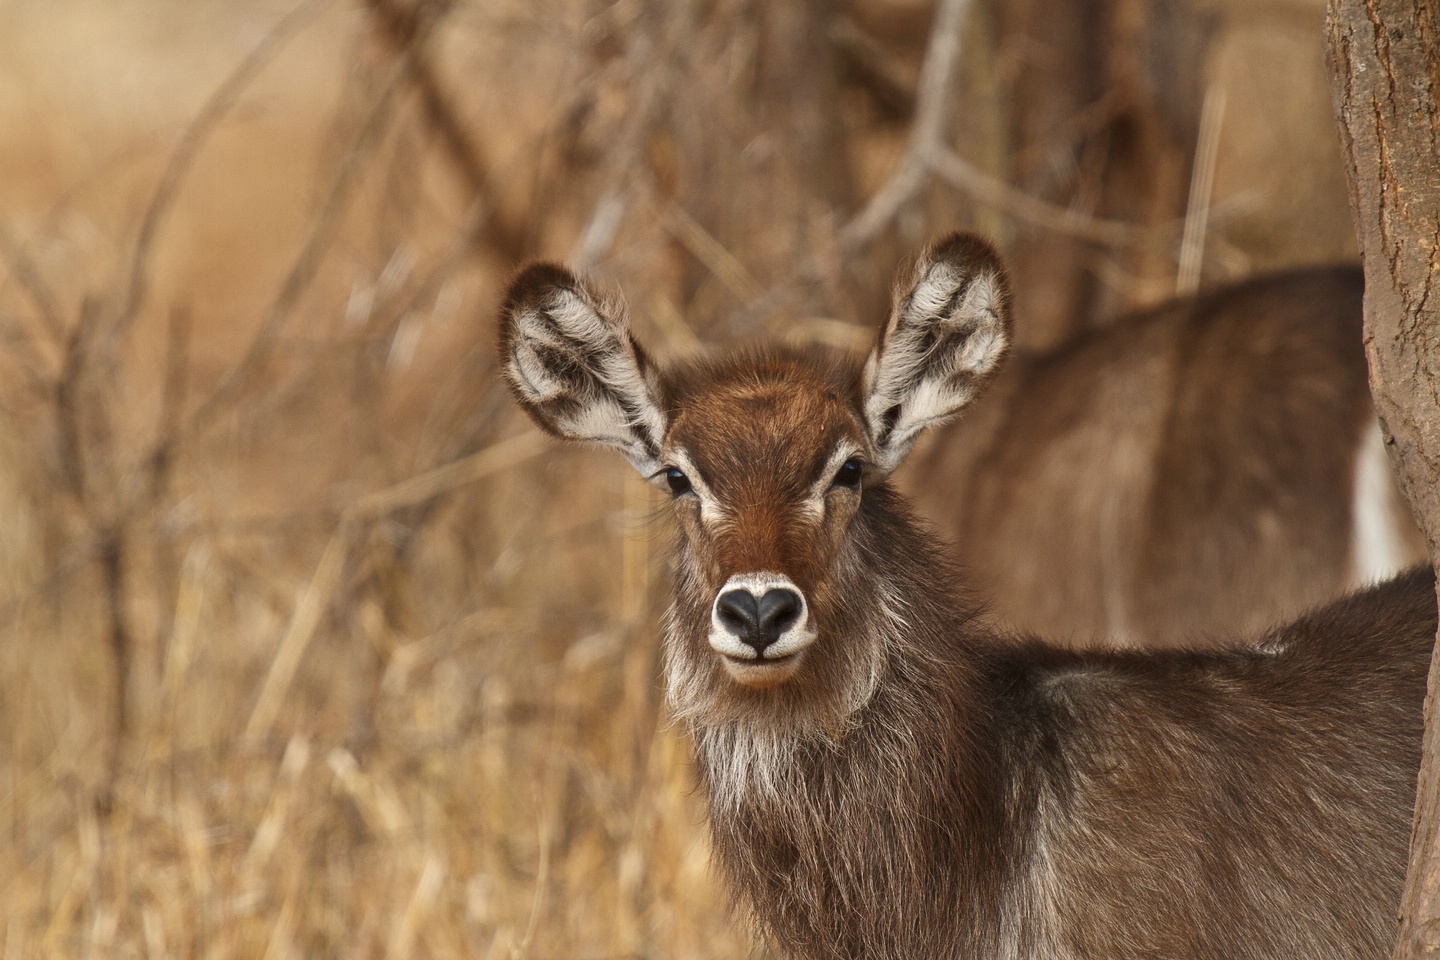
(780, 601)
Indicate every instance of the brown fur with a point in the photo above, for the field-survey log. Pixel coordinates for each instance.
(927, 786)
(1182, 476)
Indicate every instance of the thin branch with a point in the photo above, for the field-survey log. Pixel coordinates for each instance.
(873, 68)
(161, 462)
(69, 430)
(399, 27)
(433, 483)
(937, 73)
(33, 284)
(120, 642)
(703, 246)
(651, 63)
(303, 623)
(202, 126)
(600, 230)
(965, 176)
(932, 110)
(928, 156)
(327, 220)
(1202, 181)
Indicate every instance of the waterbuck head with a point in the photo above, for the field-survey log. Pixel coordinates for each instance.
(776, 460)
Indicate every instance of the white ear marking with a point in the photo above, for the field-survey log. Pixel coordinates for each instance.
(944, 339)
(572, 364)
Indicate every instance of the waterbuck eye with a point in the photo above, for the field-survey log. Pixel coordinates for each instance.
(848, 475)
(679, 483)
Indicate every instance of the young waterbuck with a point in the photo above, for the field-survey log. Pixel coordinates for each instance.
(888, 775)
(1204, 469)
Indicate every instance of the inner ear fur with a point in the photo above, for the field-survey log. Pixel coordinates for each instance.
(947, 335)
(572, 364)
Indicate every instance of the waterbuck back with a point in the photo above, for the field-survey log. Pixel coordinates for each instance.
(1204, 469)
(888, 774)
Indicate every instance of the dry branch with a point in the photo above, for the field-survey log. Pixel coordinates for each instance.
(322, 234)
(703, 245)
(870, 65)
(928, 156)
(400, 27)
(427, 486)
(1202, 181)
(933, 103)
(34, 285)
(963, 175)
(303, 623)
(650, 55)
(216, 107)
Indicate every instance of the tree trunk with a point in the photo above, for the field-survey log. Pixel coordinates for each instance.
(1385, 77)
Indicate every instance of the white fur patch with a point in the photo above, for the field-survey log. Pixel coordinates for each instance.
(711, 512)
(911, 380)
(610, 402)
(1378, 547)
(532, 377)
(797, 637)
(754, 762)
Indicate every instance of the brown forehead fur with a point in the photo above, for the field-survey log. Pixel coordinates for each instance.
(781, 406)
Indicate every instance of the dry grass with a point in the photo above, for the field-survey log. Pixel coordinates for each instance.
(313, 649)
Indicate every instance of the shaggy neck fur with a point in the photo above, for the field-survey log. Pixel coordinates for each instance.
(840, 836)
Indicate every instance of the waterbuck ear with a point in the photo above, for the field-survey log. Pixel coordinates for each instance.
(572, 364)
(946, 336)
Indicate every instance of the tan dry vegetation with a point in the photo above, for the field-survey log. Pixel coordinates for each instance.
(313, 648)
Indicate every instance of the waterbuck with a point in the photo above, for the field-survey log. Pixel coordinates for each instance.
(888, 774)
(1203, 469)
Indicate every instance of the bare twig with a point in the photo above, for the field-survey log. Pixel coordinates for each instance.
(303, 623)
(873, 68)
(650, 61)
(201, 127)
(1202, 180)
(426, 486)
(963, 175)
(712, 253)
(932, 109)
(33, 284)
(177, 354)
(114, 570)
(928, 156)
(399, 27)
(69, 430)
(322, 234)
(600, 230)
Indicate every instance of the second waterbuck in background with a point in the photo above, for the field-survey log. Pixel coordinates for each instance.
(890, 776)
(1206, 468)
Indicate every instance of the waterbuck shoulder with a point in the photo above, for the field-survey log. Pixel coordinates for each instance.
(888, 774)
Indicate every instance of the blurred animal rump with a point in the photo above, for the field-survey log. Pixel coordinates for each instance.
(1207, 468)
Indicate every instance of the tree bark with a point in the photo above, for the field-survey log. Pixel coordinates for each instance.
(1384, 58)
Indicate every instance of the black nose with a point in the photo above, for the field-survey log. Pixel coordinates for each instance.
(758, 624)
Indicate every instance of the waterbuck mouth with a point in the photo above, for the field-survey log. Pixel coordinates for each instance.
(762, 672)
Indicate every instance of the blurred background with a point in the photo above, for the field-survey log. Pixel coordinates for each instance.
(312, 648)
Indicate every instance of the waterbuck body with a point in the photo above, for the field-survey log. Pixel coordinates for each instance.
(888, 774)
(1199, 471)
